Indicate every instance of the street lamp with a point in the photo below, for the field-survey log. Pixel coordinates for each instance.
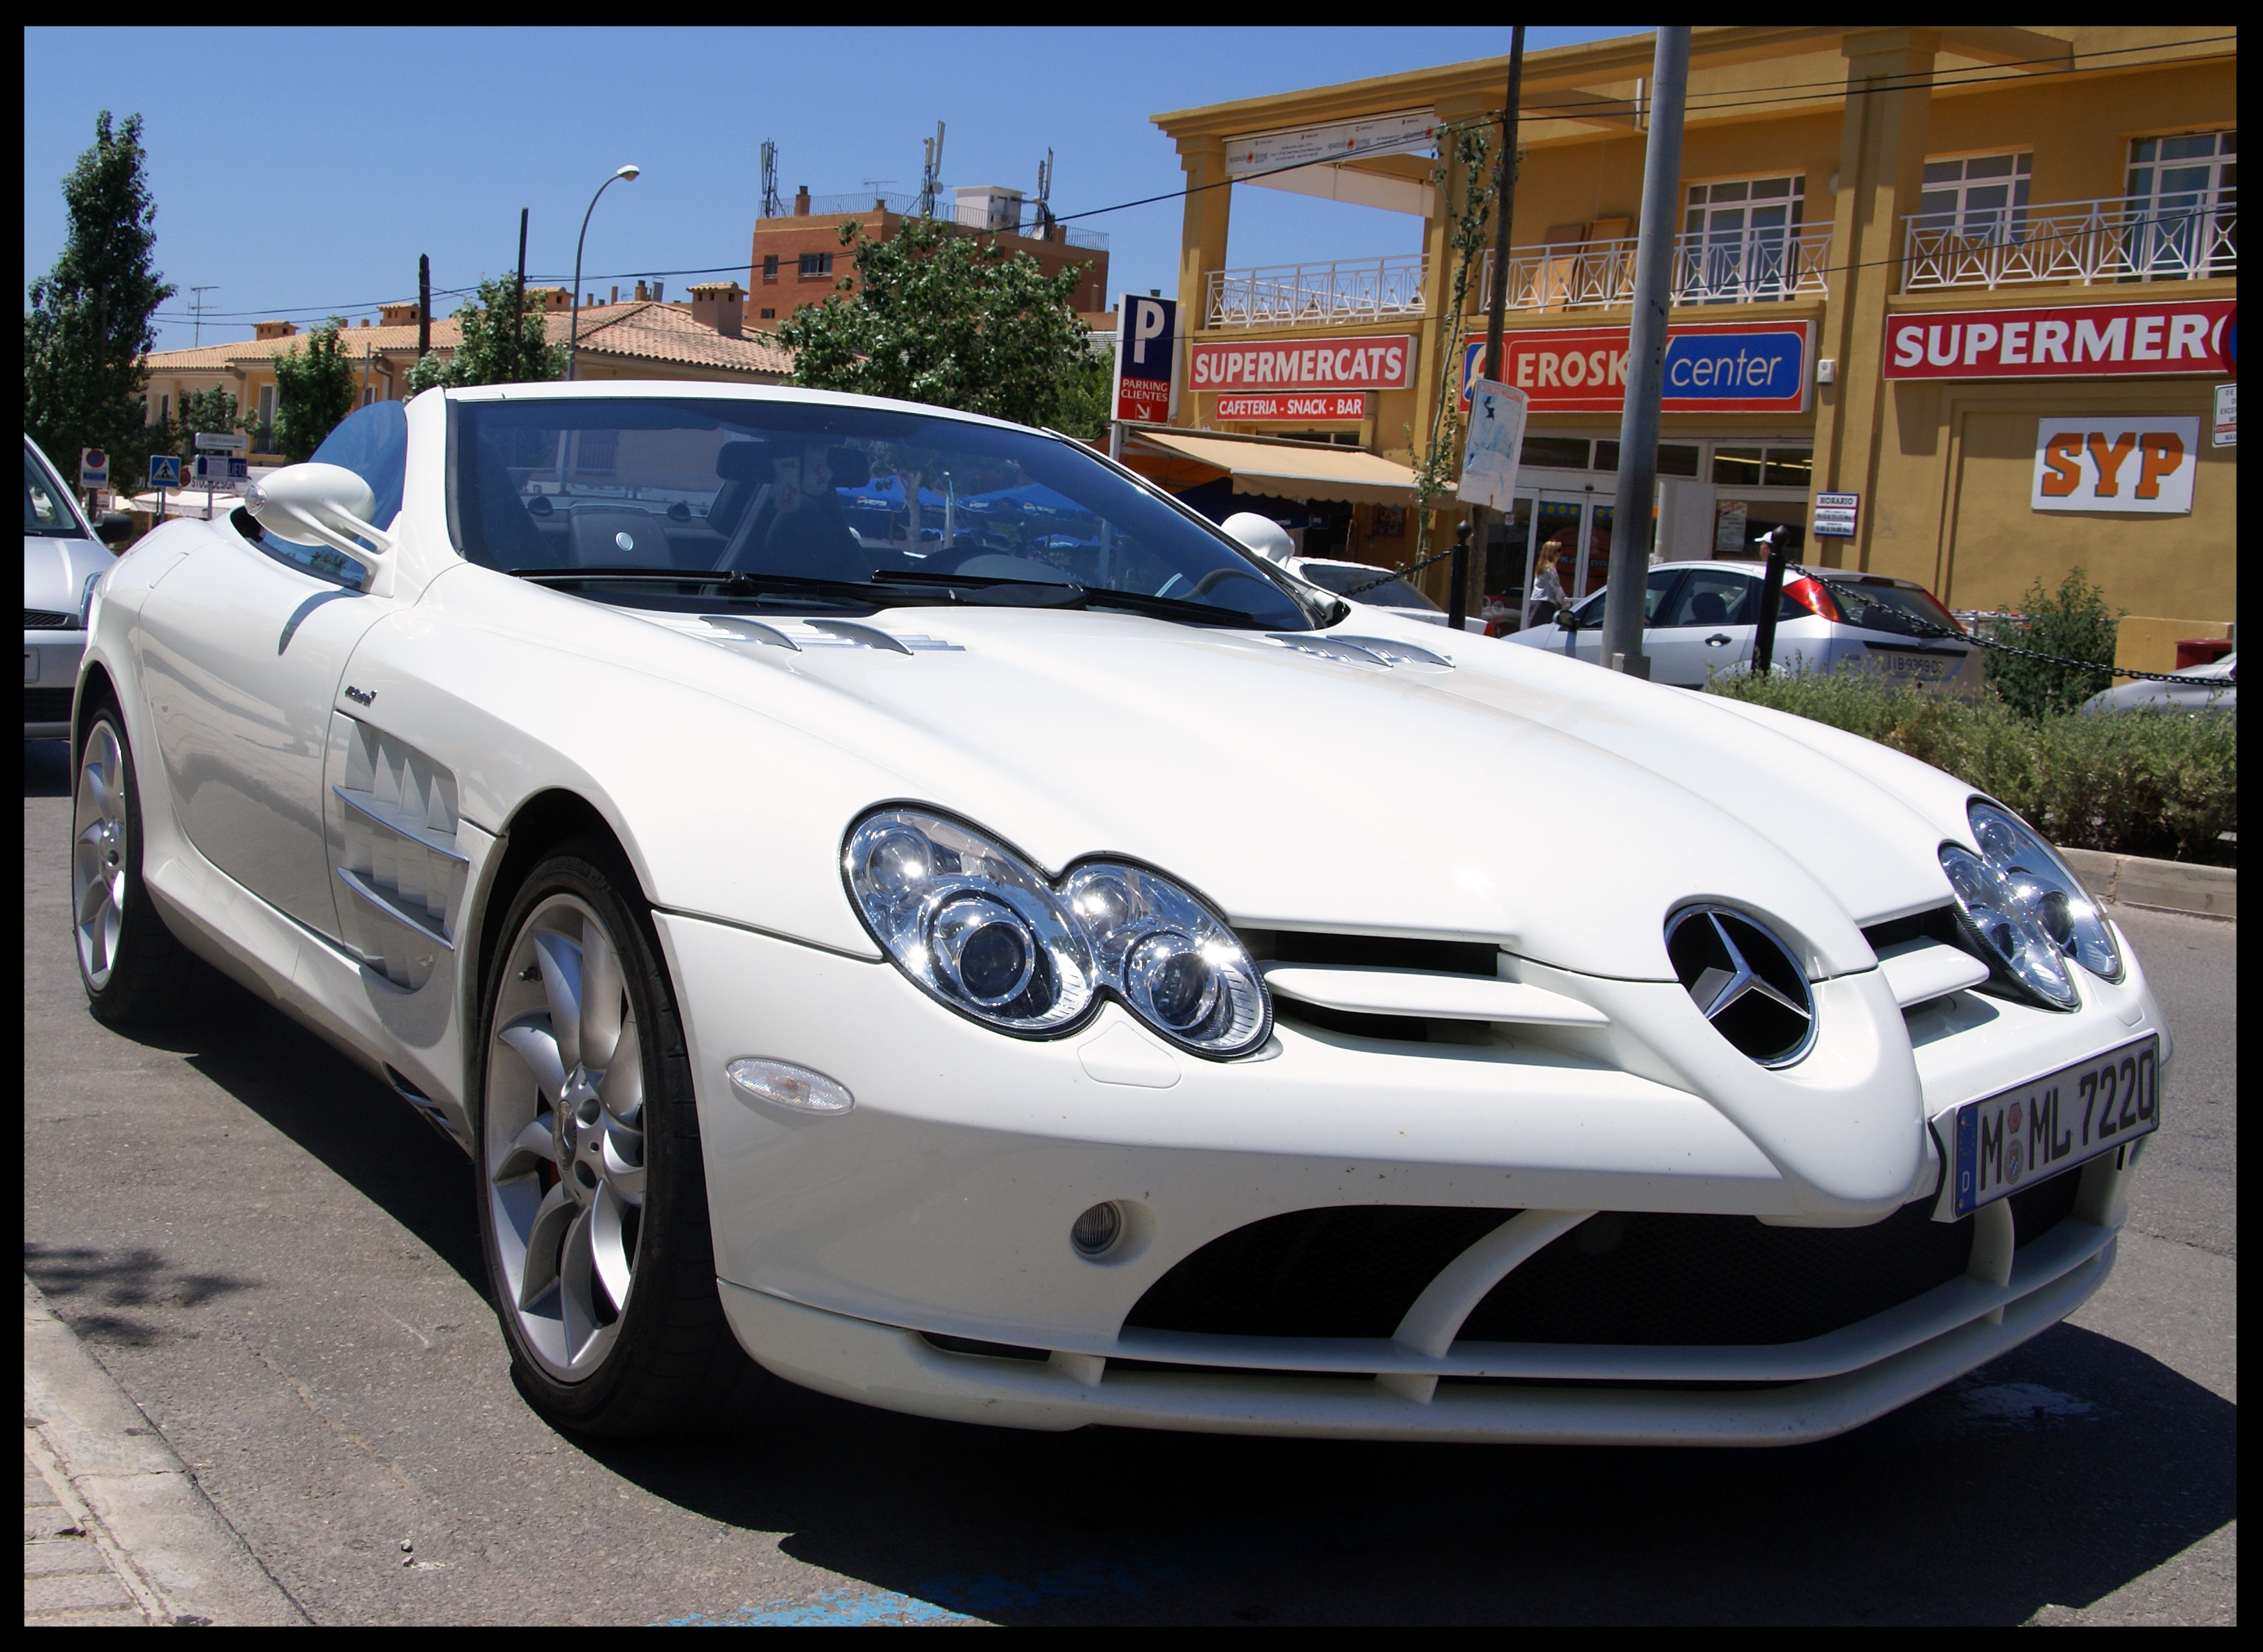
(573, 330)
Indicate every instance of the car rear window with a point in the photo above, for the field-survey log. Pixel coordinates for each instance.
(1880, 605)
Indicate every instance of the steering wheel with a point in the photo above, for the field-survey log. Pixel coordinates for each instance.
(1217, 576)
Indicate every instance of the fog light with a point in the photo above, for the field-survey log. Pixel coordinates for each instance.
(1096, 1231)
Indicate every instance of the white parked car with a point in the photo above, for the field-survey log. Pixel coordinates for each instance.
(2211, 687)
(1360, 583)
(1144, 993)
(1700, 620)
(63, 556)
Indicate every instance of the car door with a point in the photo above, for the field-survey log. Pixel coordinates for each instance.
(1704, 628)
(241, 648)
(1587, 642)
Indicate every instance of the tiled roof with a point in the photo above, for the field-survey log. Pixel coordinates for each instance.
(638, 329)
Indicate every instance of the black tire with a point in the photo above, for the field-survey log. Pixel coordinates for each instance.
(672, 1361)
(134, 971)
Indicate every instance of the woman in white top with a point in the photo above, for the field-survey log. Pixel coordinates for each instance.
(1548, 598)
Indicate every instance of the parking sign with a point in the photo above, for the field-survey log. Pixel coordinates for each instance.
(1147, 352)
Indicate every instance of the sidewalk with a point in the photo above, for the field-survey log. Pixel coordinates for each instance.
(116, 1529)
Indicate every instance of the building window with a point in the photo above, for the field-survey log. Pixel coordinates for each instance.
(2183, 205)
(1982, 197)
(769, 266)
(164, 410)
(769, 314)
(816, 264)
(1736, 243)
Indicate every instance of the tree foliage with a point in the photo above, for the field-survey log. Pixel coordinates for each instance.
(489, 350)
(89, 324)
(202, 410)
(2073, 623)
(314, 390)
(945, 317)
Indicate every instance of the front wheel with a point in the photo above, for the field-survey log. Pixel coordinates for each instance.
(593, 1204)
(128, 961)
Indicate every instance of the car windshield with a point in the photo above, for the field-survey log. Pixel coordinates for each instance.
(1371, 584)
(818, 504)
(47, 510)
(1876, 604)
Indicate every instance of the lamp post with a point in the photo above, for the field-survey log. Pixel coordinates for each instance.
(573, 328)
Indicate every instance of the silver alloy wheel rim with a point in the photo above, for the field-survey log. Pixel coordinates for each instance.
(564, 1129)
(98, 845)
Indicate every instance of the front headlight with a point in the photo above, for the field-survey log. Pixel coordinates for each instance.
(2009, 934)
(979, 929)
(2047, 886)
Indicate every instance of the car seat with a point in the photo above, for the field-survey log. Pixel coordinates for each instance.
(1709, 608)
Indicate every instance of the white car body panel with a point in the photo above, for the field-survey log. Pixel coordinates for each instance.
(730, 770)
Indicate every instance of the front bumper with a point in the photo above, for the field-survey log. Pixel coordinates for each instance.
(941, 1208)
(51, 662)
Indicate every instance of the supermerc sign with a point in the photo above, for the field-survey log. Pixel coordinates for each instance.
(1710, 367)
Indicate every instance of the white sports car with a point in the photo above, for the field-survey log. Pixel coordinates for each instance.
(1091, 980)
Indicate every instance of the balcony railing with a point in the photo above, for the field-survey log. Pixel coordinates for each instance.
(1350, 290)
(2080, 242)
(1748, 267)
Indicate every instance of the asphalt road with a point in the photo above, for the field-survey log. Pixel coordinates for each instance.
(280, 1264)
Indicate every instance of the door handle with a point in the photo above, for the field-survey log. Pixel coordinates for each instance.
(1719, 639)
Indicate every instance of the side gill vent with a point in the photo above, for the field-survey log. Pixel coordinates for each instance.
(401, 871)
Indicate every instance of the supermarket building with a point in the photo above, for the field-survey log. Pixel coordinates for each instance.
(1982, 279)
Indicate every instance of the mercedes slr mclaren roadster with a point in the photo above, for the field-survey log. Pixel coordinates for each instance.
(891, 900)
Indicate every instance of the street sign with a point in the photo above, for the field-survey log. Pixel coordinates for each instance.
(1147, 352)
(1834, 515)
(220, 470)
(1496, 414)
(221, 442)
(93, 468)
(164, 470)
(2227, 416)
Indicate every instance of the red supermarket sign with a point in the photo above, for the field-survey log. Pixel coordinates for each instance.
(2067, 341)
(1262, 410)
(1710, 367)
(1305, 363)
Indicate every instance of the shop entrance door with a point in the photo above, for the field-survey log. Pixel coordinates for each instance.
(1579, 525)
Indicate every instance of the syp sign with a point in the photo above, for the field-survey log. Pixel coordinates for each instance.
(2116, 464)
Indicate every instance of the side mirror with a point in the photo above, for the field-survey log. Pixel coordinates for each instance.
(114, 528)
(325, 504)
(1261, 535)
(1567, 621)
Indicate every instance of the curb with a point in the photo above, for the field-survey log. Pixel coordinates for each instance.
(2165, 886)
(150, 1511)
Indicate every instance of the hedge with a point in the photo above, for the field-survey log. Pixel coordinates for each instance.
(2157, 782)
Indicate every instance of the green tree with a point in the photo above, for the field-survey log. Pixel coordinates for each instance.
(202, 410)
(314, 390)
(489, 351)
(945, 317)
(1083, 410)
(2073, 623)
(89, 325)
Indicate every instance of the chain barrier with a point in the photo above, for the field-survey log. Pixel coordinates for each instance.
(1975, 636)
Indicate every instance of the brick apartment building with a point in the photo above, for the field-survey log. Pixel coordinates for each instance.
(799, 260)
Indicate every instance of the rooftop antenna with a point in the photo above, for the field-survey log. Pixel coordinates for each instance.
(1045, 194)
(876, 186)
(931, 172)
(772, 207)
(197, 309)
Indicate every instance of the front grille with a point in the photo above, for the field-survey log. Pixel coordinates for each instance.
(1938, 925)
(1367, 952)
(44, 620)
(47, 705)
(1350, 1271)
(1620, 1278)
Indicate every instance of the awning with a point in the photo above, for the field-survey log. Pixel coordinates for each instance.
(1286, 470)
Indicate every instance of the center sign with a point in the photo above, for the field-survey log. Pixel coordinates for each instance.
(1710, 367)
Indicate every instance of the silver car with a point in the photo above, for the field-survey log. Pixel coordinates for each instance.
(63, 557)
(1700, 618)
(2211, 687)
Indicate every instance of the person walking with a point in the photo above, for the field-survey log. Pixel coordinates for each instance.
(1548, 598)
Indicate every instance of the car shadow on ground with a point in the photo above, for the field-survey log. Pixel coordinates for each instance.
(2053, 1476)
(47, 768)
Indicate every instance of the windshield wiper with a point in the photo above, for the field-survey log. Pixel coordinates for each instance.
(1170, 608)
(731, 584)
(893, 587)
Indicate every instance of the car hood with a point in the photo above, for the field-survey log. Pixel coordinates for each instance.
(1561, 811)
(56, 571)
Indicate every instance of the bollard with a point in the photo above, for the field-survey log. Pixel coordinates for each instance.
(1771, 599)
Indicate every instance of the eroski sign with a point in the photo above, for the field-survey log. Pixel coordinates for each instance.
(1710, 367)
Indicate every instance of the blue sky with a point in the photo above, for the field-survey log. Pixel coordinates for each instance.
(304, 170)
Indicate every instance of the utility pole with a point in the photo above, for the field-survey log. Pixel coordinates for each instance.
(1504, 207)
(197, 309)
(1645, 381)
(518, 294)
(424, 305)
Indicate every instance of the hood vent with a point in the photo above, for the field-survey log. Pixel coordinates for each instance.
(797, 635)
(1380, 654)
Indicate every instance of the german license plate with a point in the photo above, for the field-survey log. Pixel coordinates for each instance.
(2046, 1125)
